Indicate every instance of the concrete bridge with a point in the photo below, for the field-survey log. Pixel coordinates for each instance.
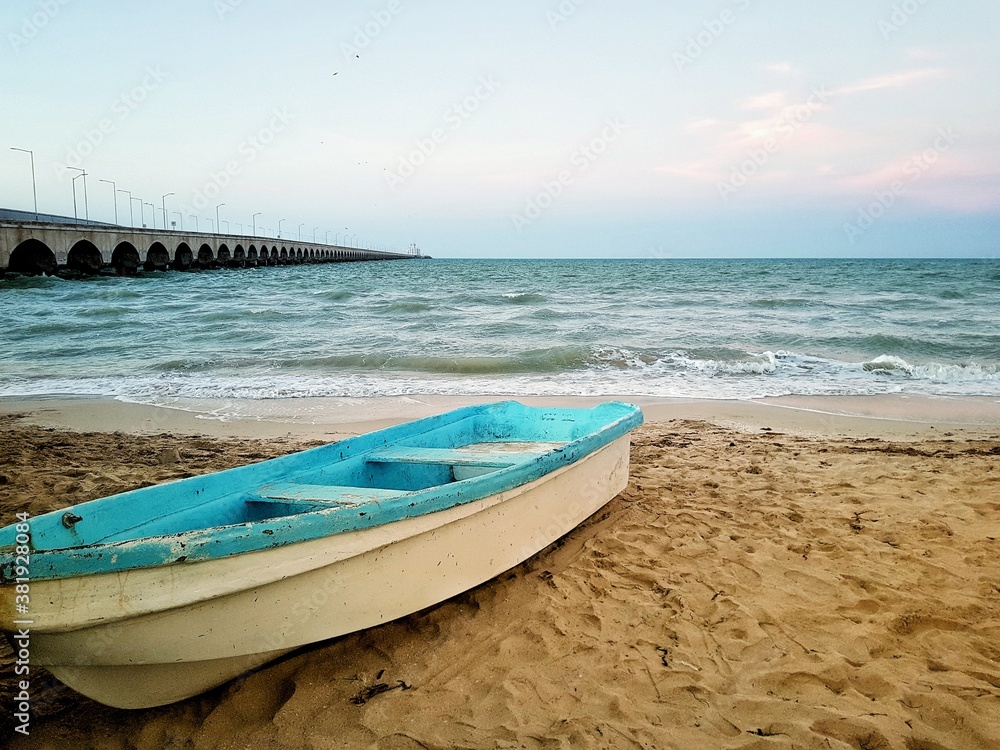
(30, 247)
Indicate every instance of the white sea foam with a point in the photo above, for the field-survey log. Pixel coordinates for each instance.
(611, 372)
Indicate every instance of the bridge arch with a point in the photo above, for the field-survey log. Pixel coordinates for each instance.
(157, 258)
(205, 256)
(239, 256)
(224, 256)
(125, 259)
(32, 257)
(183, 257)
(284, 254)
(252, 258)
(85, 257)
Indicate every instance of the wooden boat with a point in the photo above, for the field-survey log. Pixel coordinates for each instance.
(155, 595)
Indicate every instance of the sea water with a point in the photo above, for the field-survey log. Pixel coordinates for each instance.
(669, 328)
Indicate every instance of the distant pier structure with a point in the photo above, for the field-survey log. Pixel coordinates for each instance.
(74, 249)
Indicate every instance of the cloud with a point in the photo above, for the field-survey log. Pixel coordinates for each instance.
(890, 81)
(781, 68)
(772, 100)
(796, 147)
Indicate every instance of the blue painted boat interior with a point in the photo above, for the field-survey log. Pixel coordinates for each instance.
(380, 477)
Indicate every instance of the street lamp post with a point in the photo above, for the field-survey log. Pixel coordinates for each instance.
(254, 220)
(314, 233)
(181, 217)
(327, 240)
(34, 189)
(195, 221)
(227, 226)
(240, 227)
(299, 233)
(139, 201)
(209, 220)
(218, 223)
(279, 227)
(86, 208)
(76, 214)
(163, 205)
(131, 216)
(114, 196)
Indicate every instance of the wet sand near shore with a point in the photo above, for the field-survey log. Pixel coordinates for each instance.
(767, 580)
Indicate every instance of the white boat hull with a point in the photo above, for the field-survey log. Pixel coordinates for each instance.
(149, 637)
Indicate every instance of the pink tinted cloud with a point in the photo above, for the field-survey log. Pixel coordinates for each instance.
(890, 81)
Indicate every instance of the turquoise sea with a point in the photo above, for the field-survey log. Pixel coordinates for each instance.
(688, 328)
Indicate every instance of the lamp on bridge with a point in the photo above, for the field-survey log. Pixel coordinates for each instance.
(163, 206)
(34, 189)
(86, 207)
(114, 196)
(131, 215)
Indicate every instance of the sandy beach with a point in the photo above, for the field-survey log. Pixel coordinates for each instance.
(785, 574)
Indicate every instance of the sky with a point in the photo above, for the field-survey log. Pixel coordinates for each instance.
(545, 128)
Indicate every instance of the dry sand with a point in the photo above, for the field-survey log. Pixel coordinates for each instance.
(749, 589)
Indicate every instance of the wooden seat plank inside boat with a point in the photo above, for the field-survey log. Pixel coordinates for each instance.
(323, 493)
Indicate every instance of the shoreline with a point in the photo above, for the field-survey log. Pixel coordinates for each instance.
(895, 416)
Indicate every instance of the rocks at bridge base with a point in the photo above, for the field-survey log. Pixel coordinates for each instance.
(72, 274)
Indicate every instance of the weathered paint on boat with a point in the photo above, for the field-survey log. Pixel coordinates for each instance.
(135, 619)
